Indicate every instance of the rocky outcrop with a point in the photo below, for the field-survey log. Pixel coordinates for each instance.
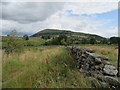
(95, 66)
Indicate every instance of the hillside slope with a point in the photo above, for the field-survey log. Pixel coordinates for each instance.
(54, 32)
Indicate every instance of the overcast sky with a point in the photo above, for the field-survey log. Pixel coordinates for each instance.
(89, 17)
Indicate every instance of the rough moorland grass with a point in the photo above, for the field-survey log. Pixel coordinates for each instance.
(108, 51)
(43, 67)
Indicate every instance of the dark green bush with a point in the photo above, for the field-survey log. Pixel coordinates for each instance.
(25, 37)
(60, 40)
(114, 40)
(92, 41)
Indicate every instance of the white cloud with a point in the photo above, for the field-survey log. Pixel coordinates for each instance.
(60, 0)
(81, 24)
(33, 17)
(27, 12)
(62, 21)
(91, 8)
(8, 26)
(110, 32)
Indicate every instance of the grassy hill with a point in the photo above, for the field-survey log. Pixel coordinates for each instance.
(55, 32)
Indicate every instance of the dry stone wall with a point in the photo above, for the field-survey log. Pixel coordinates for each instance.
(97, 67)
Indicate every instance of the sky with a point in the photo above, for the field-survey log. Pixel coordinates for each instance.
(99, 18)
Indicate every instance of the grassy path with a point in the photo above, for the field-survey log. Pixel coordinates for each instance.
(43, 67)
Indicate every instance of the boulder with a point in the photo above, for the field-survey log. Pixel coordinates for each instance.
(85, 49)
(99, 67)
(97, 56)
(98, 60)
(69, 47)
(106, 62)
(110, 70)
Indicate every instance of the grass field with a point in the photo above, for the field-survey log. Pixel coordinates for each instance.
(32, 42)
(43, 67)
(108, 51)
(48, 67)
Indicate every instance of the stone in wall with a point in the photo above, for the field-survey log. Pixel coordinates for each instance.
(110, 70)
(95, 65)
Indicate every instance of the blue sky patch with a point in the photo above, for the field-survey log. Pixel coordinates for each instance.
(111, 16)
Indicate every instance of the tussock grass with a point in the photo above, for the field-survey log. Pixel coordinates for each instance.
(43, 67)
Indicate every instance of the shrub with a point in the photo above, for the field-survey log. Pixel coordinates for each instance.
(114, 40)
(45, 37)
(12, 45)
(92, 41)
(25, 37)
(60, 40)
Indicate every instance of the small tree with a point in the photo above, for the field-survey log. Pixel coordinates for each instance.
(69, 41)
(11, 44)
(92, 41)
(25, 37)
(63, 42)
(13, 32)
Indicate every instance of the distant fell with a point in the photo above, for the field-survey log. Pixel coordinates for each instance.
(56, 32)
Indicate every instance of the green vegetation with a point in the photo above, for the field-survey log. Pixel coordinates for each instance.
(110, 51)
(43, 67)
(74, 37)
(56, 37)
(48, 67)
(29, 63)
(33, 41)
(12, 45)
(60, 40)
(92, 41)
(114, 40)
(45, 37)
(56, 32)
(25, 37)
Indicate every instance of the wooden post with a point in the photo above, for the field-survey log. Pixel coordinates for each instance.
(118, 58)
